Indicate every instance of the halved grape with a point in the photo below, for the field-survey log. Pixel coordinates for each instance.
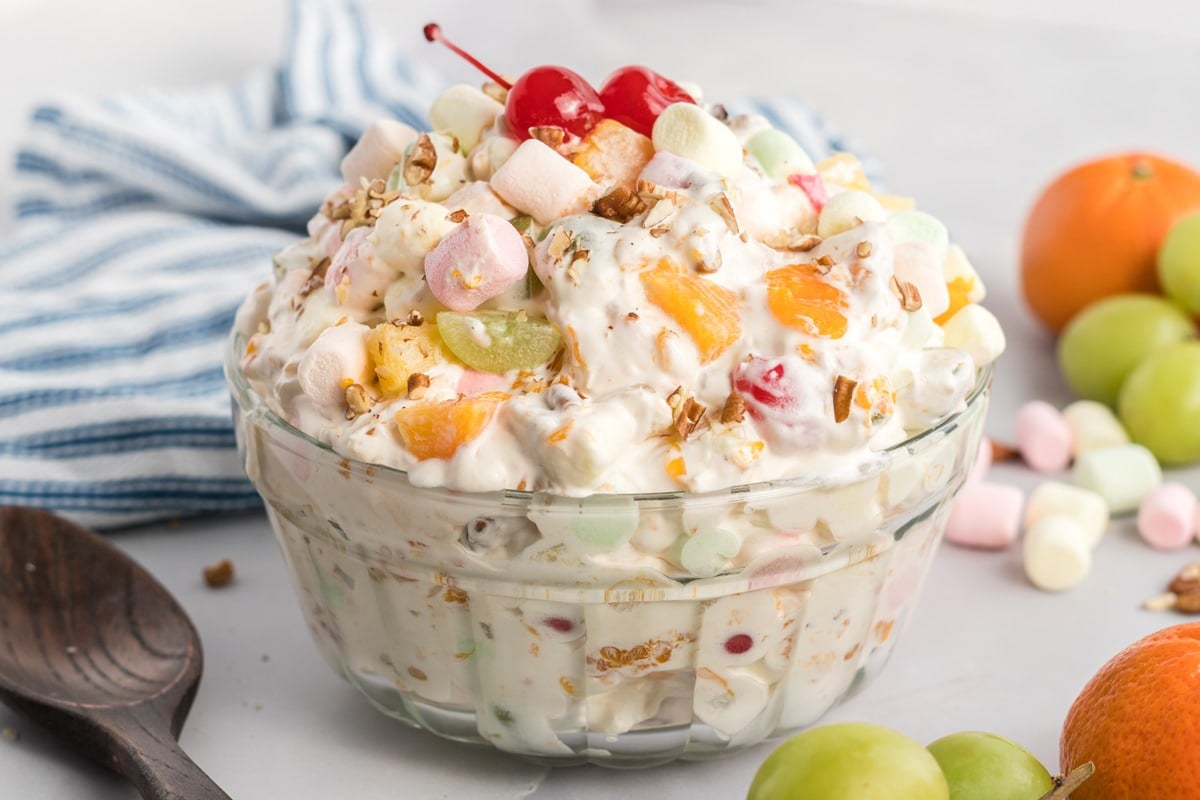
(984, 766)
(1179, 262)
(498, 341)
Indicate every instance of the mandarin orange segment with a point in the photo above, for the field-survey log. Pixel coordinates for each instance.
(960, 290)
(707, 311)
(437, 430)
(613, 153)
(798, 298)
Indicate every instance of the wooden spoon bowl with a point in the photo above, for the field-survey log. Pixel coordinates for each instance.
(93, 647)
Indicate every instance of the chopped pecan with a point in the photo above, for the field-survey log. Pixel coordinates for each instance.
(619, 204)
(420, 162)
(843, 394)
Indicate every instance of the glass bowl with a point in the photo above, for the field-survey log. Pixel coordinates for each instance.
(623, 630)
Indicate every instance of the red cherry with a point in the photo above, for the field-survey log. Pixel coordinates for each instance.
(553, 97)
(765, 383)
(814, 187)
(560, 624)
(635, 96)
(738, 644)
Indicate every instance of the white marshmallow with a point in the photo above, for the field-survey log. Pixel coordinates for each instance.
(477, 197)
(975, 329)
(407, 230)
(1087, 508)
(335, 360)
(490, 155)
(1093, 425)
(464, 112)
(1057, 553)
(543, 184)
(1123, 475)
(847, 209)
(918, 263)
(378, 150)
(687, 130)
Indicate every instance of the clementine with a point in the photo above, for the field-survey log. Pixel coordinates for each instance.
(1138, 721)
(1096, 229)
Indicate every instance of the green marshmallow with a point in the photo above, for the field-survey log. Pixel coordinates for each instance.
(708, 550)
(779, 154)
(917, 226)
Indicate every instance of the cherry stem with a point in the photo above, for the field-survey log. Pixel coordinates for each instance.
(433, 33)
(1065, 784)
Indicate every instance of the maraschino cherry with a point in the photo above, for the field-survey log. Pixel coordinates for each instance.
(635, 96)
(550, 97)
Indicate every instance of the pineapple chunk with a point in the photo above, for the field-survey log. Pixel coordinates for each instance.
(614, 154)
(397, 351)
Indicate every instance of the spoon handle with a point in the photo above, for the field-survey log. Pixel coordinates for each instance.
(162, 771)
(148, 754)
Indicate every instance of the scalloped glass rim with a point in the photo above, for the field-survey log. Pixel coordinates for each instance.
(248, 400)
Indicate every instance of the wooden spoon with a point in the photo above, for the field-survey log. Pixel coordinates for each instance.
(95, 649)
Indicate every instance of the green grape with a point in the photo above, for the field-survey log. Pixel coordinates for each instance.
(984, 766)
(1179, 262)
(498, 341)
(1160, 403)
(849, 761)
(1103, 343)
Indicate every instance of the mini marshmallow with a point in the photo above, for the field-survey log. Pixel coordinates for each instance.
(335, 360)
(730, 700)
(1086, 507)
(490, 155)
(1123, 475)
(986, 516)
(543, 184)
(975, 329)
(707, 551)
(464, 112)
(1043, 437)
(919, 264)
(917, 226)
(1093, 425)
(847, 209)
(1167, 516)
(779, 154)
(1057, 554)
(478, 260)
(687, 130)
(669, 170)
(377, 151)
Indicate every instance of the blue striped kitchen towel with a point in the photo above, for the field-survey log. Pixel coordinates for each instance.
(140, 223)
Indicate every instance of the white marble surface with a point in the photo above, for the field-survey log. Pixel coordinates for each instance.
(970, 111)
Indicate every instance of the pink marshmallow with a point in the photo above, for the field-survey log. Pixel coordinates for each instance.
(983, 461)
(918, 263)
(378, 150)
(1167, 517)
(985, 516)
(668, 169)
(1043, 437)
(474, 382)
(476, 261)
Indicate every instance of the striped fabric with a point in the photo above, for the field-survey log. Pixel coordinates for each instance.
(141, 221)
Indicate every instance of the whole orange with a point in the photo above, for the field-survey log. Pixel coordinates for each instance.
(1138, 721)
(1096, 229)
